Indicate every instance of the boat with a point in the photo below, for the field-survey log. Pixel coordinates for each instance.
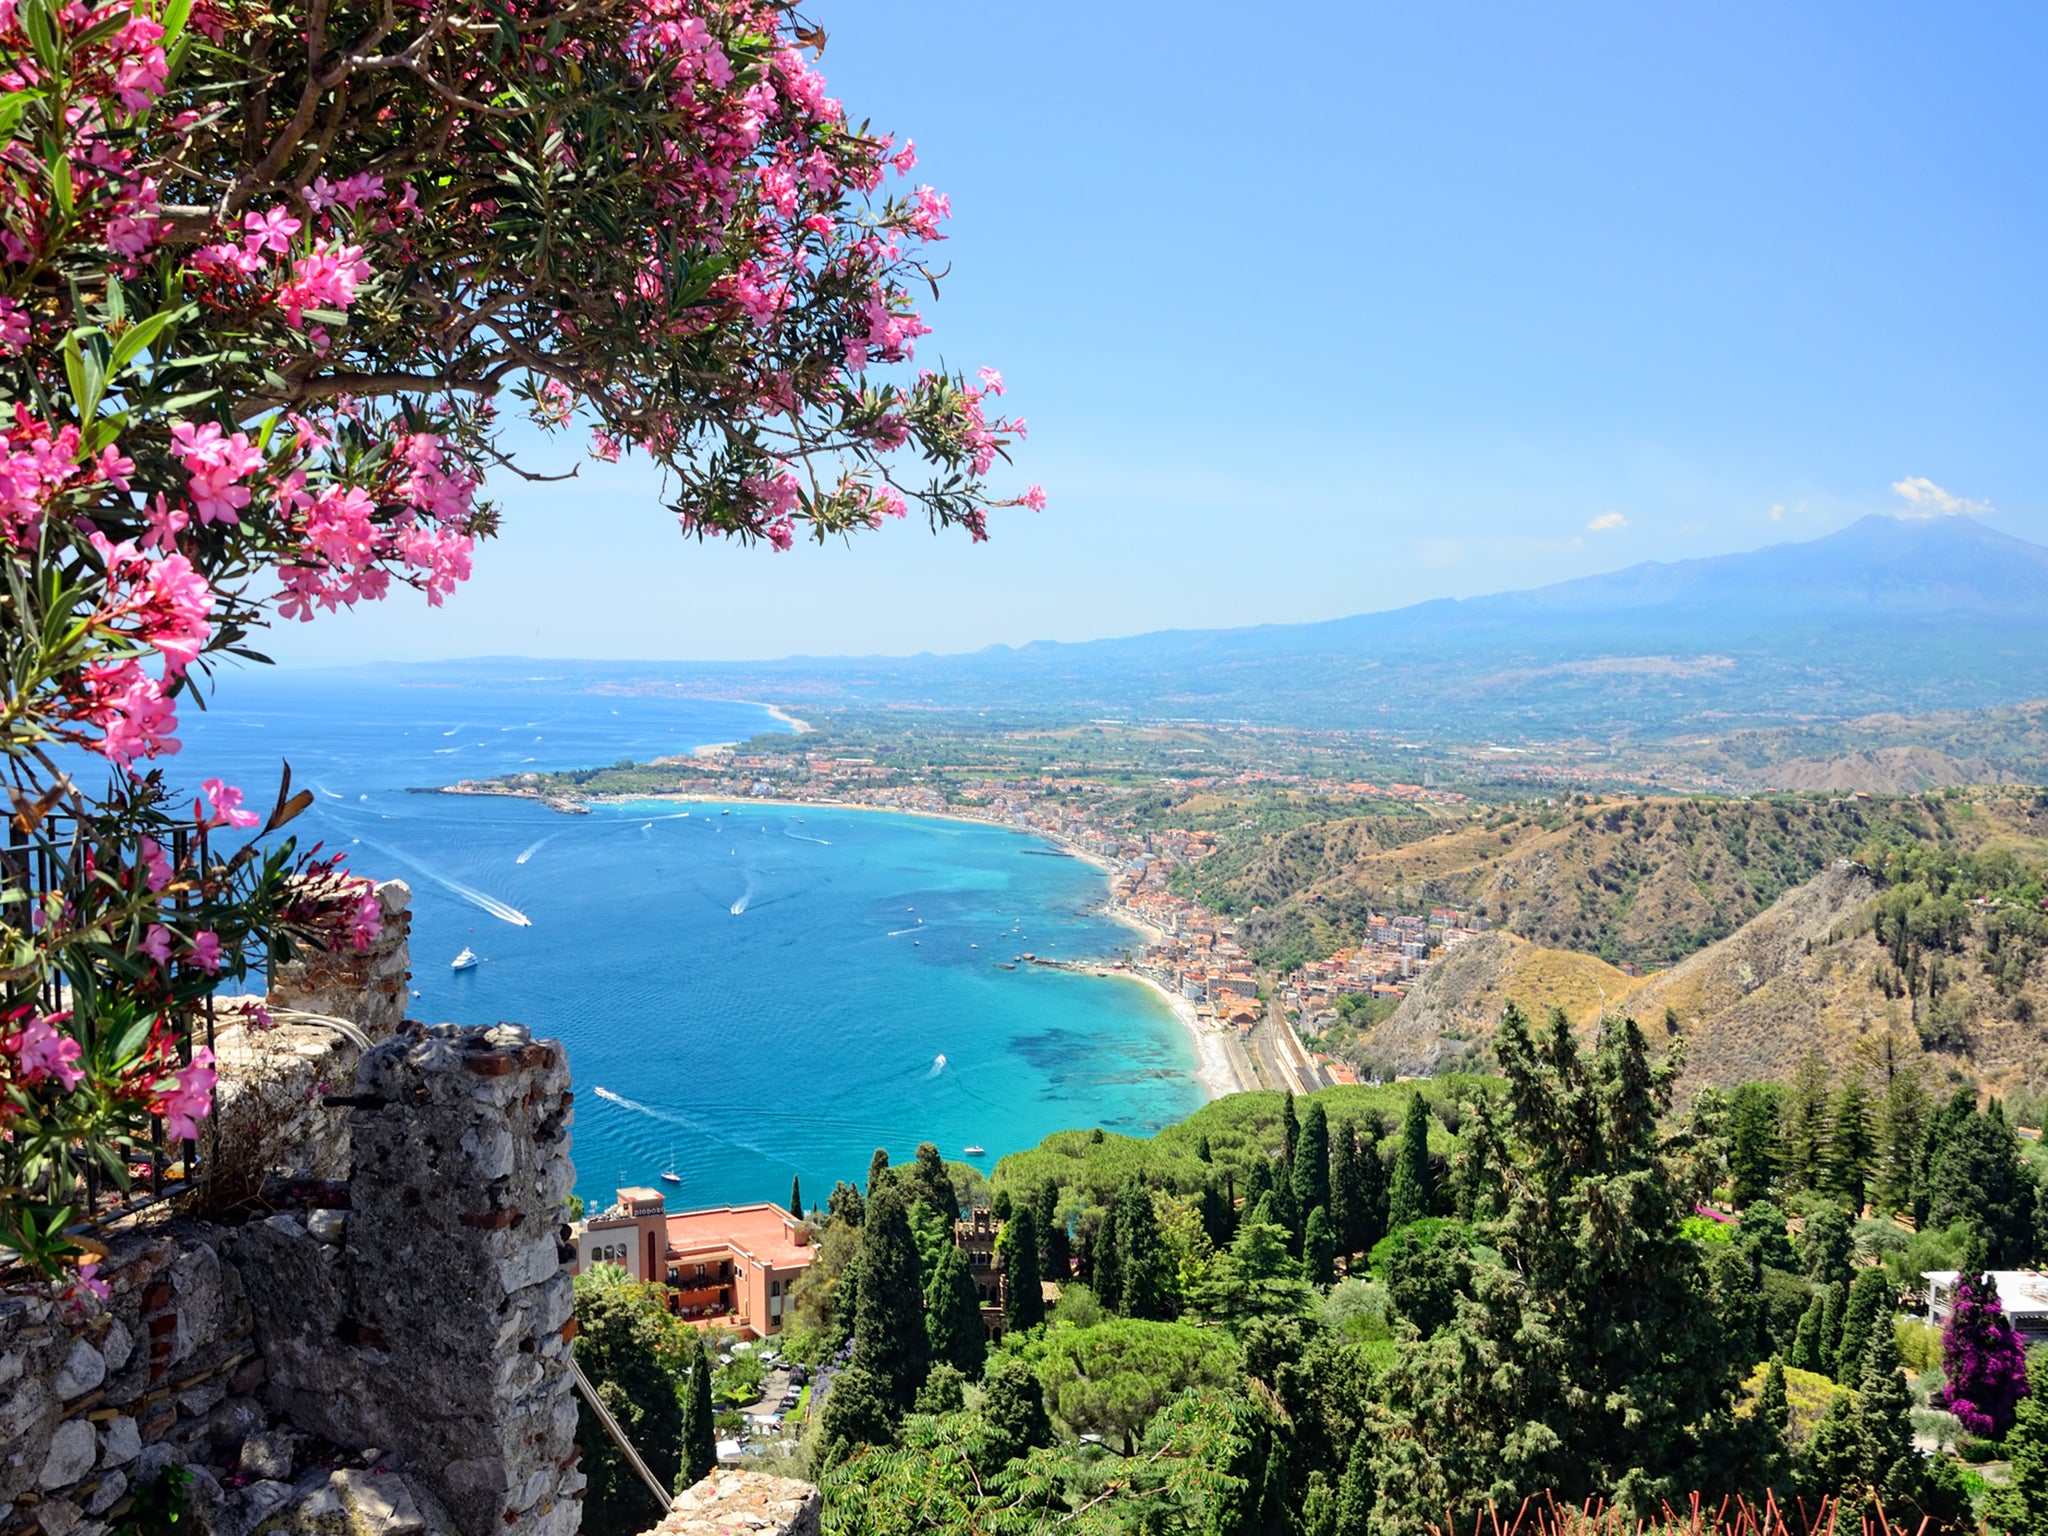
(977, 1151)
(466, 961)
(669, 1174)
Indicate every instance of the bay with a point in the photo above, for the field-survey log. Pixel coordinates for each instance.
(748, 991)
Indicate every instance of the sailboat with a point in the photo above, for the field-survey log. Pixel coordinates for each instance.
(669, 1174)
(464, 962)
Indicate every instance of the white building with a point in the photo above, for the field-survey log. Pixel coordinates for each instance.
(2022, 1292)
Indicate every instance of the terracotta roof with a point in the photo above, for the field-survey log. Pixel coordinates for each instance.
(759, 1231)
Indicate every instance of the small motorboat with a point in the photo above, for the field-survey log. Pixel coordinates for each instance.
(977, 1151)
(466, 961)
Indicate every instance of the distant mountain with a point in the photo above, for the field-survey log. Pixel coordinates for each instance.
(1884, 615)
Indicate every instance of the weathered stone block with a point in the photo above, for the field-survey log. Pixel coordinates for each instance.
(729, 1502)
(73, 1450)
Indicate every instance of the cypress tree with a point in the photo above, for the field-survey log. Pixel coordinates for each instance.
(1312, 1160)
(1826, 1246)
(1023, 1301)
(1942, 1126)
(1290, 1130)
(888, 1325)
(1347, 1220)
(857, 1412)
(1836, 1298)
(1013, 1408)
(1055, 1250)
(1319, 1251)
(1372, 1189)
(1258, 1181)
(845, 1204)
(1980, 1178)
(1279, 1201)
(944, 1391)
(700, 1434)
(1202, 1148)
(1414, 1193)
(1000, 1206)
(1834, 1453)
(1887, 1464)
(1357, 1493)
(1218, 1220)
(1806, 1340)
(1141, 1255)
(1105, 1262)
(1868, 1312)
(1772, 1425)
(796, 1198)
(933, 1185)
(878, 1170)
(952, 1316)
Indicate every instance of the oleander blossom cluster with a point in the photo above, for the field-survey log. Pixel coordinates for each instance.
(253, 343)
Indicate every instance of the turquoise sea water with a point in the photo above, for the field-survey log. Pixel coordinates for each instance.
(758, 990)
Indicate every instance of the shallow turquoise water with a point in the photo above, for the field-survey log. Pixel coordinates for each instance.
(792, 1036)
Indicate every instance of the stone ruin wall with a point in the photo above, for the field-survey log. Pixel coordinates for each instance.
(379, 1339)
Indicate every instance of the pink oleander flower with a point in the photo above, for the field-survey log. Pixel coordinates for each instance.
(326, 278)
(365, 920)
(991, 380)
(156, 868)
(88, 1283)
(14, 331)
(1034, 498)
(187, 1097)
(134, 715)
(225, 802)
(905, 158)
(206, 951)
(216, 462)
(270, 231)
(44, 1051)
(156, 944)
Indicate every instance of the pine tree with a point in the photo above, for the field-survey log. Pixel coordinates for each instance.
(1806, 1122)
(1869, 1312)
(1806, 1341)
(796, 1198)
(1414, 1193)
(1753, 1142)
(1290, 1131)
(1312, 1160)
(953, 1315)
(1319, 1251)
(700, 1433)
(1833, 1454)
(1013, 1408)
(1357, 1494)
(1141, 1256)
(1887, 1464)
(1023, 1301)
(888, 1325)
(1771, 1430)
(1850, 1148)
(1901, 1140)
(2020, 1508)
(1347, 1192)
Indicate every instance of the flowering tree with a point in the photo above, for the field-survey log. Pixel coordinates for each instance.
(1981, 1357)
(265, 276)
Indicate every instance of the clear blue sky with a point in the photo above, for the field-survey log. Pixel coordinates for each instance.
(1391, 303)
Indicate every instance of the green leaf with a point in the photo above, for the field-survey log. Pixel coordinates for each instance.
(176, 14)
(142, 334)
(60, 183)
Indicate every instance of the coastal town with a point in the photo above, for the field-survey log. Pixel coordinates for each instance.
(1253, 1027)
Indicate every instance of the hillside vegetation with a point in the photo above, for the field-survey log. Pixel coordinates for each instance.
(1648, 881)
(1929, 956)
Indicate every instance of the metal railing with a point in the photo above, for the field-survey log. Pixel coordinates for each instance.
(48, 862)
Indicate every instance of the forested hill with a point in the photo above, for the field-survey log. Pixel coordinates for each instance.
(1647, 881)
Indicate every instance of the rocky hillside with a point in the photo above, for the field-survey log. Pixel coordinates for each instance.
(1814, 972)
(1647, 881)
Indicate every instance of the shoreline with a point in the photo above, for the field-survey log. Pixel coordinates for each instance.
(1213, 1072)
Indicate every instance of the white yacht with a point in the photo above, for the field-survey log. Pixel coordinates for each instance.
(464, 961)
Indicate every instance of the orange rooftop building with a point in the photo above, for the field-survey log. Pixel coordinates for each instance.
(732, 1266)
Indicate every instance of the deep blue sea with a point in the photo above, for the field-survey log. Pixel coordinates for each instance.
(747, 991)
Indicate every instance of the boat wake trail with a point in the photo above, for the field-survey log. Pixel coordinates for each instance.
(502, 911)
(528, 853)
(823, 842)
(691, 1123)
